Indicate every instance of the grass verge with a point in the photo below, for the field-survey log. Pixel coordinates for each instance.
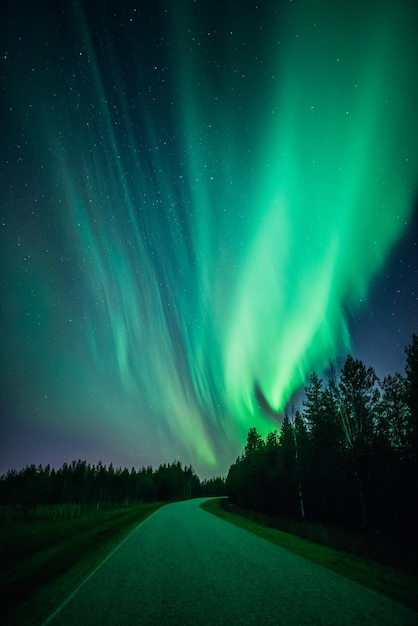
(44, 560)
(396, 584)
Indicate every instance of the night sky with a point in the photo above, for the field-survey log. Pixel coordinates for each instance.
(201, 203)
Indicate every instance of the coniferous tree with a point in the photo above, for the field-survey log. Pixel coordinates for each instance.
(302, 447)
(252, 469)
(393, 413)
(254, 442)
(411, 396)
(356, 395)
(288, 473)
(324, 494)
(272, 478)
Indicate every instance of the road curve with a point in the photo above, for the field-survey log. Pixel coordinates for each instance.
(184, 566)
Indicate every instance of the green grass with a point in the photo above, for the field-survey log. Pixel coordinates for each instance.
(44, 559)
(396, 584)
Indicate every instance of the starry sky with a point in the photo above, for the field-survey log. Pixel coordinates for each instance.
(201, 203)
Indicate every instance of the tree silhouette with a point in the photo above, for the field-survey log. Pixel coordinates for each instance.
(349, 459)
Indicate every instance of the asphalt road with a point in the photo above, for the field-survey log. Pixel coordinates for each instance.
(184, 566)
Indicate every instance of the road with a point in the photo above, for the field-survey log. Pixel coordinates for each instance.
(184, 566)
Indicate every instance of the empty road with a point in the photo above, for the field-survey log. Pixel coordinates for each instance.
(185, 566)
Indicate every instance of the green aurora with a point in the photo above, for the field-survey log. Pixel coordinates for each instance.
(225, 186)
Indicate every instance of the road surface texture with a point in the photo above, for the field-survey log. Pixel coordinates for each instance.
(185, 566)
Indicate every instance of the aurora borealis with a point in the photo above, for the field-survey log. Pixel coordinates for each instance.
(196, 201)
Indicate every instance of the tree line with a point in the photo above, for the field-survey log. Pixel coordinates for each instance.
(349, 458)
(81, 484)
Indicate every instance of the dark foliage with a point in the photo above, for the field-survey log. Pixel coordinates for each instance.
(81, 484)
(348, 460)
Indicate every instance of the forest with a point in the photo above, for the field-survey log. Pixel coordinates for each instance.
(78, 485)
(348, 459)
